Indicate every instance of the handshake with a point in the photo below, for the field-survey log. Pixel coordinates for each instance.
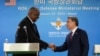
(52, 46)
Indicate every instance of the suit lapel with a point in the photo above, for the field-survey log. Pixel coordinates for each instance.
(75, 35)
(32, 27)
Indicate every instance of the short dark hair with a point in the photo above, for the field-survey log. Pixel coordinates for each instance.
(75, 19)
(33, 8)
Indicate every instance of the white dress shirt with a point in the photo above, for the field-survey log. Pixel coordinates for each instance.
(30, 19)
(74, 30)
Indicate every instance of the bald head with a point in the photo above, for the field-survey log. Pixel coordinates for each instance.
(33, 13)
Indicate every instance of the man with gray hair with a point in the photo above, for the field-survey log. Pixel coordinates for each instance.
(32, 35)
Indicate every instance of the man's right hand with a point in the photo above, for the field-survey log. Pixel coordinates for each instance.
(52, 46)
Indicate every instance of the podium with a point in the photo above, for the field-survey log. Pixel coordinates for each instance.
(96, 50)
(19, 48)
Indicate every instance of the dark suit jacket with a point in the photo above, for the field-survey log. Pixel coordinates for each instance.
(78, 46)
(32, 36)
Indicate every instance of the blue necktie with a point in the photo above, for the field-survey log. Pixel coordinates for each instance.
(36, 30)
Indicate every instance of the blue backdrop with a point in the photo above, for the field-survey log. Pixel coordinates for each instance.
(87, 11)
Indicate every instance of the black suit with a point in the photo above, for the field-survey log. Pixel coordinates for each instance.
(32, 36)
(78, 46)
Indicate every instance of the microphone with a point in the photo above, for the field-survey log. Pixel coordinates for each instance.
(25, 29)
(18, 27)
(17, 31)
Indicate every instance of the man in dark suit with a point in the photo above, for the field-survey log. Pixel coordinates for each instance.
(76, 42)
(28, 32)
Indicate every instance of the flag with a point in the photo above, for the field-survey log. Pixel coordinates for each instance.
(10, 2)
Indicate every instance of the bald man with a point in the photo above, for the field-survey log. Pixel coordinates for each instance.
(32, 35)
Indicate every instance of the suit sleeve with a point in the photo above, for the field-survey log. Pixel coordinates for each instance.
(62, 47)
(35, 38)
(84, 43)
(43, 45)
(21, 37)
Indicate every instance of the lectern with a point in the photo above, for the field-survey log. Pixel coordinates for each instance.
(19, 48)
(96, 50)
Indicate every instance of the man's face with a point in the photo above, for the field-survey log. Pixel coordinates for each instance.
(70, 24)
(35, 15)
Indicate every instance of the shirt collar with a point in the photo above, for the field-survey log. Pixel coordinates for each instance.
(30, 19)
(74, 29)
